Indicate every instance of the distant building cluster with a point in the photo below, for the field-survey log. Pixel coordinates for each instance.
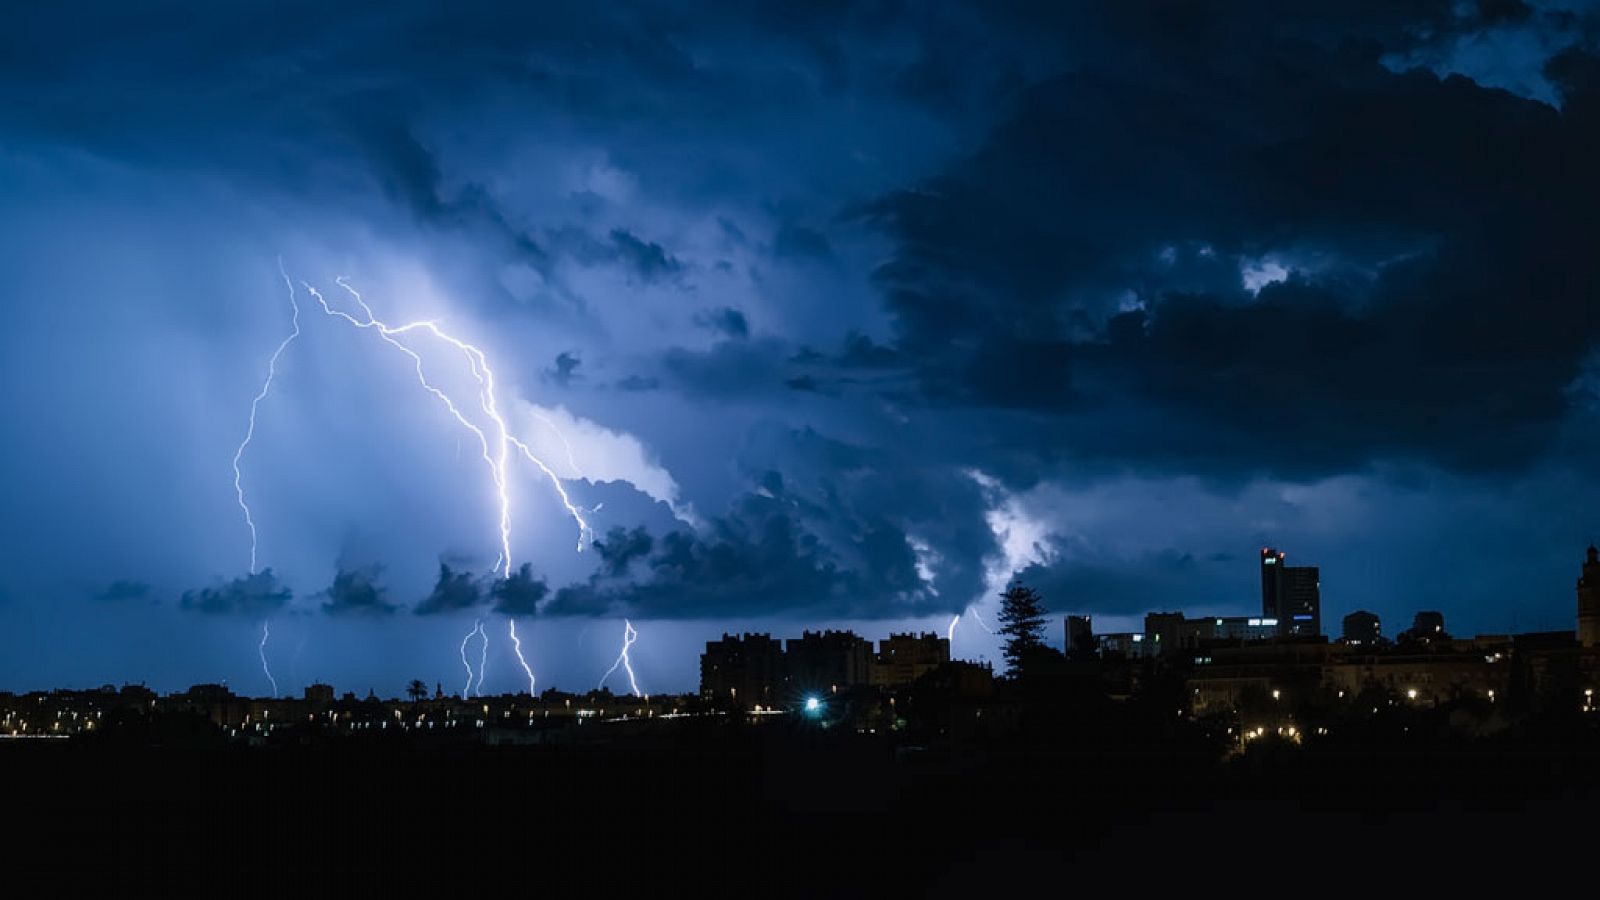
(1258, 669)
(757, 670)
(506, 718)
(1242, 678)
(1291, 608)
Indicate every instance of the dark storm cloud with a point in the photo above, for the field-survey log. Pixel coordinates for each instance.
(1439, 293)
(862, 352)
(124, 591)
(565, 371)
(620, 548)
(356, 592)
(726, 321)
(1162, 580)
(760, 560)
(796, 241)
(644, 262)
(260, 594)
(409, 173)
(453, 591)
(731, 369)
(646, 259)
(520, 594)
(331, 103)
(840, 539)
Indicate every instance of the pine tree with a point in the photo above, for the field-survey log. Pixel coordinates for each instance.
(1022, 621)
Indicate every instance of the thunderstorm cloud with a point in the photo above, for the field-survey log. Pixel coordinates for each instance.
(844, 315)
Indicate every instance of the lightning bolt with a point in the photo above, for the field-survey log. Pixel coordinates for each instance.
(261, 650)
(477, 628)
(483, 659)
(517, 645)
(950, 632)
(629, 636)
(495, 447)
(572, 461)
(979, 619)
(250, 432)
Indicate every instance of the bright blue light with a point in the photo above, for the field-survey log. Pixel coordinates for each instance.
(813, 704)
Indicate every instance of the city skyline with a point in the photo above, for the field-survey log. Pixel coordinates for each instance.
(1179, 624)
(833, 320)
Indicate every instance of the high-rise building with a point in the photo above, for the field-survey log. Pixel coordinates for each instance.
(1589, 600)
(1362, 628)
(1080, 636)
(1290, 594)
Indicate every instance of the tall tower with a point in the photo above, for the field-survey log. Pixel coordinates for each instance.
(1290, 594)
(1589, 600)
(1271, 583)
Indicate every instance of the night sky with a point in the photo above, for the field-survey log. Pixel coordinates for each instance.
(823, 313)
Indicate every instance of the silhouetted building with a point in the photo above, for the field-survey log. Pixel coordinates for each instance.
(1122, 645)
(217, 703)
(1362, 628)
(319, 694)
(828, 660)
(208, 693)
(1080, 636)
(1426, 626)
(747, 670)
(903, 658)
(1164, 631)
(1589, 600)
(1290, 594)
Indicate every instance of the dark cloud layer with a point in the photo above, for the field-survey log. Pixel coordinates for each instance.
(356, 592)
(260, 594)
(1086, 263)
(1158, 581)
(454, 591)
(520, 594)
(783, 551)
(758, 561)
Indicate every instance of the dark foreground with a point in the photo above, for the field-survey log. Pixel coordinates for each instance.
(782, 810)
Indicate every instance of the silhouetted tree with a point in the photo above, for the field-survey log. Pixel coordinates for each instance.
(416, 690)
(1022, 623)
